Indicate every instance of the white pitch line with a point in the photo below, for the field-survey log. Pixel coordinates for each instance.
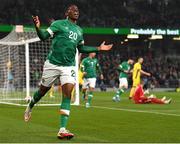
(8, 103)
(137, 111)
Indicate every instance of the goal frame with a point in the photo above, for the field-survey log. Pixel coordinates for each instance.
(26, 43)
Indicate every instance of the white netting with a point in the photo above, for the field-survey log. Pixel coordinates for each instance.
(20, 38)
(13, 67)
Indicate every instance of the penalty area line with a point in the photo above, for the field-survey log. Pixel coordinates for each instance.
(137, 111)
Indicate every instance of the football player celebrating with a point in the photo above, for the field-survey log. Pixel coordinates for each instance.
(60, 64)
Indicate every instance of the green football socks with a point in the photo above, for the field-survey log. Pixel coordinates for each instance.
(90, 95)
(65, 111)
(63, 120)
(37, 96)
(119, 92)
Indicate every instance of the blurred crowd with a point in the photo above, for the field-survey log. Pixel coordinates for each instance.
(103, 13)
(165, 71)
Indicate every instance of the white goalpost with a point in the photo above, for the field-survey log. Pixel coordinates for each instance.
(22, 56)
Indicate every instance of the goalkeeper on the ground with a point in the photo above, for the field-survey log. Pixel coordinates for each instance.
(139, 97)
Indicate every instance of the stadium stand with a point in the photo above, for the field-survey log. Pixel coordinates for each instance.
(128, 13)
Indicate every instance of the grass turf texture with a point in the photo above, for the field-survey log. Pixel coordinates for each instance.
(107, 121)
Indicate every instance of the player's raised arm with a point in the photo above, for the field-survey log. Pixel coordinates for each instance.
(42, 34)
(90, 49)
(36, 21)
(145, 73)
(104, 47)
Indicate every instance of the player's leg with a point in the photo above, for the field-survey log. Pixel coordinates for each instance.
(80, 84)
(65, 111)
(157, 101)
(51, 91)
(67, 79)
(84, 89)
(123, 85)
(73, 95)
(89, 98)
(160, 101)
(92, 83)
(119, 92)
(142, 100)
(37, 96)
(84, 93)
(132, 91)
(80, 87)
(50, 74)
(59, 89)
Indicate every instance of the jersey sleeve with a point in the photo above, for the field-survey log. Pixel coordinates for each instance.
(81, 38)
(85, 49)
(121, 67)
(42, 34)
(138, 67)
(53, 28)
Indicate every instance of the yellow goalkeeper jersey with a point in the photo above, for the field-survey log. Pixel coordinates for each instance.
(137, 71)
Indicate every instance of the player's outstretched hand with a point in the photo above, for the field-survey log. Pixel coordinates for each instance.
(104, 47)
(148, 74)
(36, 21)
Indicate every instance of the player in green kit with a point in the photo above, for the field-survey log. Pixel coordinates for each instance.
(124, 69)
(90, 66)
(60, 63)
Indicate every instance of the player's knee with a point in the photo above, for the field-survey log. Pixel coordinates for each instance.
(67, 89)
(43, 90)
(84, 89)
(67, 93)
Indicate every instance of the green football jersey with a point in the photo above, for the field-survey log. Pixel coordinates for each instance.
(90, 66)
(124, 66)
(66, 37)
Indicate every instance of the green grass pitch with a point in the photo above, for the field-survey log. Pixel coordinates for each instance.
(105, 121)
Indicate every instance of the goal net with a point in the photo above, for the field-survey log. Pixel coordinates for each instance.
(22, 56)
